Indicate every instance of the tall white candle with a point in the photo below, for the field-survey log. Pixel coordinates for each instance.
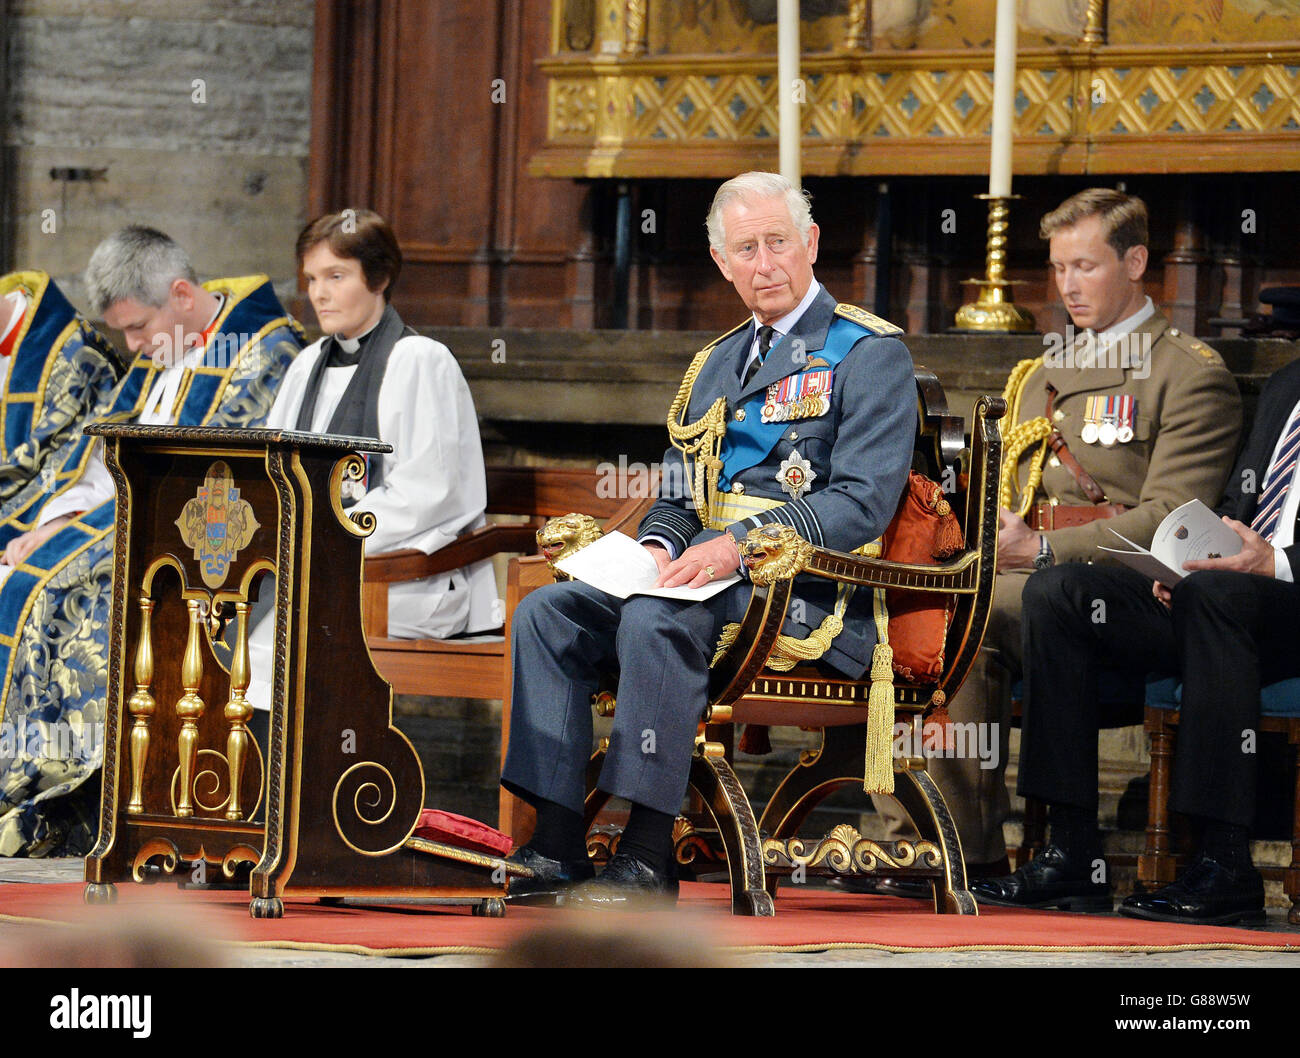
(1004, 98)
(790, 91)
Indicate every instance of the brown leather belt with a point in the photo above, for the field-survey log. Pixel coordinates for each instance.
(1047, 516)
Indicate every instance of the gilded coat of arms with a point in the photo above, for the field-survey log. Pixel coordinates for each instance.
(217, 524)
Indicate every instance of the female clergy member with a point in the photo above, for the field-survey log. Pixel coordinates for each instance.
(372, 376)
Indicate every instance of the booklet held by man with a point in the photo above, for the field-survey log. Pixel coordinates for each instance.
(1189, 532)
(617, 564)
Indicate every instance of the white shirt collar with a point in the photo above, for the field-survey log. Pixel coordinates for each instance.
(1130, 323)
(786, 323)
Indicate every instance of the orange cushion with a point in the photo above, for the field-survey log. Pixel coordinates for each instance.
(461, 831)
(924, 531)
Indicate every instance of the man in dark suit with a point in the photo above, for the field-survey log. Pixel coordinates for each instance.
(1225, 629)
(806, 415)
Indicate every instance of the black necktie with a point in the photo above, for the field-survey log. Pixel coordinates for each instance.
(764, 344)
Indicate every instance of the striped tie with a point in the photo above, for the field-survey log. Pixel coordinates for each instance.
(1277, 484)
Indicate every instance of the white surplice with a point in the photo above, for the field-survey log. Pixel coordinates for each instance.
(434, 487)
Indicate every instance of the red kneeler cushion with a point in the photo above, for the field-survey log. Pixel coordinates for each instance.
(461, 831)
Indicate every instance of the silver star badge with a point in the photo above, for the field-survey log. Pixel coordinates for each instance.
(796, 475)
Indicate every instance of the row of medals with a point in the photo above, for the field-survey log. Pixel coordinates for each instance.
(1108, 428)
(1106, 433)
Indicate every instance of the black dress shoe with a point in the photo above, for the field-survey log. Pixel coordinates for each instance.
(1208, 893)
(550, 877)
(1050, 879)
(626, 884)
(913, 888)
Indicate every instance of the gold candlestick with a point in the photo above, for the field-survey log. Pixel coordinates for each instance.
(1094, 28)
(858, 33)
(992, 310)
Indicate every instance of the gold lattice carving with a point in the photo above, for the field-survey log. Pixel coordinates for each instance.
(715, 103)
(1210, 99)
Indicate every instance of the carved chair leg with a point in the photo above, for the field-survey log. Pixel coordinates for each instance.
(714, 780)
(921, 799)
(1156, 865)
(837, 764)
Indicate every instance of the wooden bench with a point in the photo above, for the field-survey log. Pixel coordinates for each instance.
(475, 667)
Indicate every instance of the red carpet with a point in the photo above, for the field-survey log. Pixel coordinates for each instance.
(806, 920)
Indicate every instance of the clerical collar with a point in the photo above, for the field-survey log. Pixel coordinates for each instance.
(346, 352)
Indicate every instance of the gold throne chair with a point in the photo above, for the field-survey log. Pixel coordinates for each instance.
(744, 689)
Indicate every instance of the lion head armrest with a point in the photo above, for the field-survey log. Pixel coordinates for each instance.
(561, 537)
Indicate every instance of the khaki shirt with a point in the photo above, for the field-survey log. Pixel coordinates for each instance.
(1185, 433)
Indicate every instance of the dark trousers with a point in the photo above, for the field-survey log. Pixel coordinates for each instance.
(1225, 635)
(564, 637)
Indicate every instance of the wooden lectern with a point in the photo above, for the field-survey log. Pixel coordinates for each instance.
(204, 516)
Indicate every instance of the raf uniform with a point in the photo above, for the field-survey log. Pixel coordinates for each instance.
(831, 461)
(1173, 441)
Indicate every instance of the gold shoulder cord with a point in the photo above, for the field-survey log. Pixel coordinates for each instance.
(1018, 438)
(701, 439)
(789, 651)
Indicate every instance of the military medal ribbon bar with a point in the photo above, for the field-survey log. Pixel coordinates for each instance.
(803, 396)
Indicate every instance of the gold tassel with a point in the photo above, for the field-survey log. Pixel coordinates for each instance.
(878, 775)
(878, 768)
(947, 538)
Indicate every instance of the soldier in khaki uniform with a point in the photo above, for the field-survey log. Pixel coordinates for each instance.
(1151, 415)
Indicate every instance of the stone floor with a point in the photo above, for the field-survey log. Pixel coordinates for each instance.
(69, 870)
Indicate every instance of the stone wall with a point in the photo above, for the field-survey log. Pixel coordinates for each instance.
(193, 118)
